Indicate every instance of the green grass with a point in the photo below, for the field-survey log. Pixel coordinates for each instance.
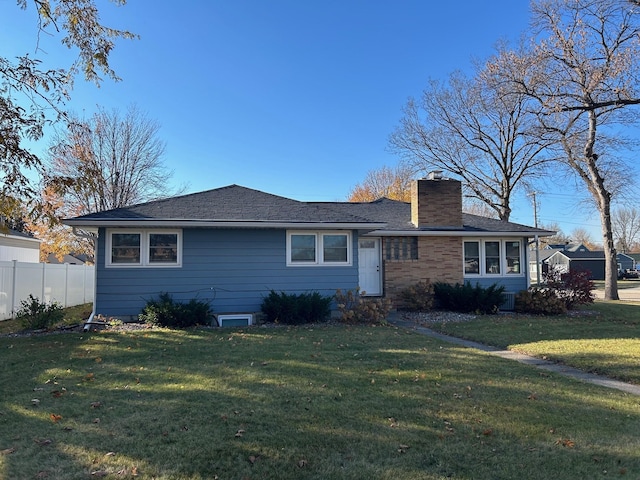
(604, 339)
(299, 403)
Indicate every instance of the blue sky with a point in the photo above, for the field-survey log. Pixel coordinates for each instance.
(293, 97)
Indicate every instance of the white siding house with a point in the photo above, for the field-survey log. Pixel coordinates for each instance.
(19, 246)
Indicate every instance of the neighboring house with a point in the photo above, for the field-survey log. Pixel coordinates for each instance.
(233, 245)
(19, 246)
(564, 261)
(625, 262)
(636, 259)
(543, 254)
(593, 262)
(67, 258)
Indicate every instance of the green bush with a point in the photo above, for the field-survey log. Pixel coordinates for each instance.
(166, 312)
(541, 301)
(296, 309)
(35, 315)
(418, 297)
(354, 308)
(466, 298)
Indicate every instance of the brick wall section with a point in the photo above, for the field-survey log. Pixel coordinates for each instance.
(436, 203)
(439, 260)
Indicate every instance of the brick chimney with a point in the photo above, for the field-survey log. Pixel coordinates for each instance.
(436, 202)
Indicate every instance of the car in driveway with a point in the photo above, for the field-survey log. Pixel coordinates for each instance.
(628, 273)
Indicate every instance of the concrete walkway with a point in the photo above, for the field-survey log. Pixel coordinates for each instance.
(519, 357)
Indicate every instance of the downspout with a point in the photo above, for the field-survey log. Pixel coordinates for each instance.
(87, 324)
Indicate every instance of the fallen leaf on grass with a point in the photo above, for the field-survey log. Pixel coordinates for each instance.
(42, 474)
(100, 473)
(402, 448)
(487, 432)
(533, 396)
(109, 454)
(565, 442)
(239, 433)
(7, 451)
(96, 404)
(57, 393)
(253, 458)
(55, 418)
(302, 463)
(35, 402)
(43, 442)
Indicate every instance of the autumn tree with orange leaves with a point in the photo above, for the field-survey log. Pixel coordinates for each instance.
(394, 184)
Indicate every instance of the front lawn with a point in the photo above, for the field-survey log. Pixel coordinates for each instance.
(601, 338)
(329, 402)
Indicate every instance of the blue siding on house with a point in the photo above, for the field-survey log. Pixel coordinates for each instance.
(511, 283)
(233, 268)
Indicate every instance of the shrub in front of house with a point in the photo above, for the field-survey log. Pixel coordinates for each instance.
(540, 301)
(166, 312)
(467, 298)
(418, 297)
(356, 309)
(573, 288)
(36, 315)
(296, 309)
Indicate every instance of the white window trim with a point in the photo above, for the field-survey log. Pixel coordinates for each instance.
(503, 258)
(144, 248)
(319, 262)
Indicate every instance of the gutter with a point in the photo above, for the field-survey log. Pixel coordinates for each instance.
(78, 233)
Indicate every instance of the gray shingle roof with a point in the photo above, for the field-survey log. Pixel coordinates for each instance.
(239, 204)
(233, 203)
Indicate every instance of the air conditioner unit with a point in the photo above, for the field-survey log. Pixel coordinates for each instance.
(509, 301)
(235, 320)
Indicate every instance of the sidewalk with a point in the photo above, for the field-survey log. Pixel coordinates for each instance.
(625, 294)
(519, 357)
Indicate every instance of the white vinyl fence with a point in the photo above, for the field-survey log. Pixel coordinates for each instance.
(66, 284)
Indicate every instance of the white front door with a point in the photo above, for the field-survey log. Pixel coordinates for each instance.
(369, 266)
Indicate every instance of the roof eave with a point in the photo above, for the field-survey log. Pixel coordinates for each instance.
(181, 223)
(454, 233)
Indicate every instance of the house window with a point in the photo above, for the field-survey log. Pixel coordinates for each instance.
(125, 248)
(513, 257)
(472, 257)
(401, 248)
(144, 248)
(318, 248)
(492, 257)
(335, 248)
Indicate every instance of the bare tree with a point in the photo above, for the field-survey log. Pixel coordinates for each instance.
(109, 161)
(584, 72)
(32, 95)
(471, 129)
(385, 182)
(626, 229)
(583, 236)
(560, 238)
